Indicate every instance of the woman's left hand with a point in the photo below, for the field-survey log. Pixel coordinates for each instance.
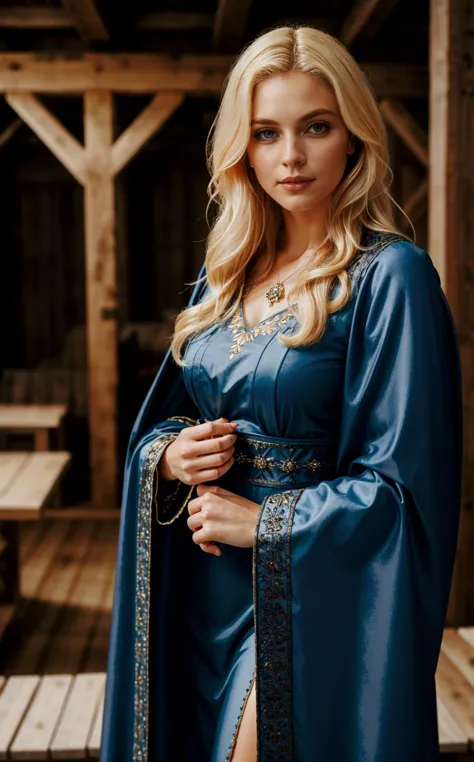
(221, 516)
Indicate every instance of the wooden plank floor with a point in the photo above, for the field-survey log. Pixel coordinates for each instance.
(67, 577)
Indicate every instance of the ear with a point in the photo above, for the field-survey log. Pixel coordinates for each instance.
(351, 145)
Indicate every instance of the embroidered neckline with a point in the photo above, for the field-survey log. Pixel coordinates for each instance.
(244, 335)
(264, 320)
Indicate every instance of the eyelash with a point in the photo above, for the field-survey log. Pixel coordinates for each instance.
(326, 126)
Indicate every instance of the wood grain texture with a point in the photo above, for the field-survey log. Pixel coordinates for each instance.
(87, 19)
(149, 121)
(50, 130)
(101, 297)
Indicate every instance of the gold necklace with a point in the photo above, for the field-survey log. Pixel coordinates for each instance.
(277, 291)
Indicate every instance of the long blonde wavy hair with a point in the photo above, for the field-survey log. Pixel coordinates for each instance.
(249, 224)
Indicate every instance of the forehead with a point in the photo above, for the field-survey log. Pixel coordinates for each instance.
(290, 95)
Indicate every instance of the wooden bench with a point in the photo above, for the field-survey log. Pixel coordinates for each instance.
(51, 717)
(60, 716)
(38, 420)
(455, 691)
(29, 481)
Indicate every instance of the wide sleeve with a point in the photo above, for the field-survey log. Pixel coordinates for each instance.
(353, 575)
(166, 410)
(147, 558)
(170, 497)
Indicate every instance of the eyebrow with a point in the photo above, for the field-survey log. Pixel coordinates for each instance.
(316, 112)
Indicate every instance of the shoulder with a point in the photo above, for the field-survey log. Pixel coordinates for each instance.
(394, 261)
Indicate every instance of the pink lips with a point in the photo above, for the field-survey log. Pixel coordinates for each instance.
(296, 179)
(298, 182)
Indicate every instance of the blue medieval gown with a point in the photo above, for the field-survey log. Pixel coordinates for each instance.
(352, 447)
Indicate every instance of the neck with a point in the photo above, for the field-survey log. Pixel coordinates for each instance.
(303, 231)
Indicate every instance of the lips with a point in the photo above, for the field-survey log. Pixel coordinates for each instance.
(296, 180)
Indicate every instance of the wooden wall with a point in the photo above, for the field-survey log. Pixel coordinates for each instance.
(161, 229)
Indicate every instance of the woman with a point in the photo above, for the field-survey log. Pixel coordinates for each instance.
(292, 483)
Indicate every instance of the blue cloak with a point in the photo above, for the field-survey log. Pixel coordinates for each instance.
(352, 448)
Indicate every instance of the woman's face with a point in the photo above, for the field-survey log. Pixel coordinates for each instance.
(297, 130)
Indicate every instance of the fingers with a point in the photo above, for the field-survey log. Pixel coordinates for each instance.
(208, 462)
(210, 429)
(207, 446)
(193, 459)
(211, 547)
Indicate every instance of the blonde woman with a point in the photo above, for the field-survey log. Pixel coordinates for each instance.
(292, 486)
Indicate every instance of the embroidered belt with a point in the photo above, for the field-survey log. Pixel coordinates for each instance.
(265, 461)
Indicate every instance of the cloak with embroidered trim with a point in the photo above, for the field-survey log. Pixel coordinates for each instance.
(352, 448)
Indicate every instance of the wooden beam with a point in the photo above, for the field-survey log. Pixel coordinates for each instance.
(451, 238)
(92, 166)
(407, 128)
(34, 17)
(50, 130)
(175, 21)
(9, 131)
(143, 127)
(365, 19)
(416, 203)
(121, 73)
(147, 73)
(230, 20)
(443, 150)
(88, 22)
(101, 297)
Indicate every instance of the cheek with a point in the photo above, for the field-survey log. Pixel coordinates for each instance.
(264, 163)
(331, 158)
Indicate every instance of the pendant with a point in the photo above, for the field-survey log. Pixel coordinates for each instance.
(275, 293)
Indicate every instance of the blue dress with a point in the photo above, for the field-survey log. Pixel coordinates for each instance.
(352, 448)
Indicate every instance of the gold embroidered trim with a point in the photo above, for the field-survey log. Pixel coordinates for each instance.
(243, 336)
(183, 419)
(288, 466)
(142, 596)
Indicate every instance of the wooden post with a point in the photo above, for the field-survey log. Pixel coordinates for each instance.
(451, 235)
(95, 166)
(101, 295)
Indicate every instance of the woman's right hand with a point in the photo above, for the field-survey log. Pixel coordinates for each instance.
(200, 453)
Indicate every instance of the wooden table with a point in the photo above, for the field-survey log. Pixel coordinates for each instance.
(28, 482)
(38, 420)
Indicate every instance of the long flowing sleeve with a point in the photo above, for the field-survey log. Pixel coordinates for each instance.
(353, 575)
(170, 497)
(131, 682)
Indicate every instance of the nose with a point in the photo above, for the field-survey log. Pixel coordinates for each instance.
(293, 153)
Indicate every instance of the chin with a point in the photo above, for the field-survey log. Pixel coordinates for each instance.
(299, 204)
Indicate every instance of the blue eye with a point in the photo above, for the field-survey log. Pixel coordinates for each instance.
(316, 128)
(260, 134)
(323, 128)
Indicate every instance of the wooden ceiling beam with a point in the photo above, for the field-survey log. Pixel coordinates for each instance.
(87, 19)
(34, 17)
(365, 19)
(407, 128)
(229, 24)
(147, 73)
(175, 21)
(143, 127)
(116, 72)
(9, 131)
(50, 130)
(417, 203)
